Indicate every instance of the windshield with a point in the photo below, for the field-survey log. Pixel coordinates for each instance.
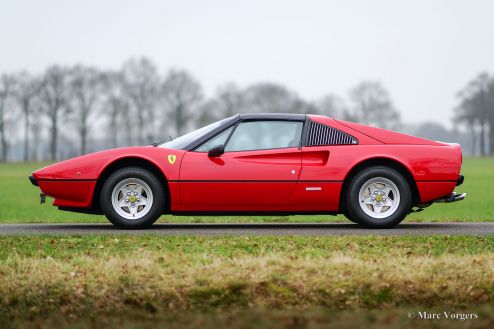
(181, 142)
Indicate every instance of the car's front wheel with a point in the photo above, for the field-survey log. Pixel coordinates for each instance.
(132, 197)
(351, 219)
(378, 197)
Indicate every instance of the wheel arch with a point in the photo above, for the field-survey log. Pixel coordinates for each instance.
(380, 161)
(131, 161)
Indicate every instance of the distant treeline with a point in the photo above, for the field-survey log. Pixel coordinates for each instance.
(67, 111)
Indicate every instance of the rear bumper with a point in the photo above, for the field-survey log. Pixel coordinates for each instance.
(453, 197)
(431, 191)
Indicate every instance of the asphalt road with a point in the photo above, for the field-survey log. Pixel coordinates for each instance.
(255, 229)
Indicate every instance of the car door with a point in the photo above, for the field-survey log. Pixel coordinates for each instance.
(258, 170)
(326, 154)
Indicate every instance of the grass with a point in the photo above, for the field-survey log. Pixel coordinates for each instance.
(19, 202)
(279, 280)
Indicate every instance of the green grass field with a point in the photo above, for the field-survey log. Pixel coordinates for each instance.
(20, 201)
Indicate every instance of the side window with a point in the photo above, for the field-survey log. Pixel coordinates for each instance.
(219, 139)
(263, 135)
(319, 135)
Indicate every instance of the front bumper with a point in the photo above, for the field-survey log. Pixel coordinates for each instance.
(33, 181)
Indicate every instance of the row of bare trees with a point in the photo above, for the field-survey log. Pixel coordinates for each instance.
(69, 107)
(476, 111)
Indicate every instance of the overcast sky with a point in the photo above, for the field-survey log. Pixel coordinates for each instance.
(423, 51)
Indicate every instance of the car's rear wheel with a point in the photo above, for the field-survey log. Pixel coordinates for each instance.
(132, 197)
(378, 197)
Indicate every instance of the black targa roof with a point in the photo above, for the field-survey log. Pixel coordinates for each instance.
(272, 116)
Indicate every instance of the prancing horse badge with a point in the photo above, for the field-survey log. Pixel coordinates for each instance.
(172, 158)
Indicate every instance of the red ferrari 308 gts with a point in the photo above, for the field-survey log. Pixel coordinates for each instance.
(261, 164)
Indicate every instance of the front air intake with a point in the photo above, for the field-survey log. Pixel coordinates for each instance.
(320, 134)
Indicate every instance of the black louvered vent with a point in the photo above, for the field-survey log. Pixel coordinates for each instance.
(323, 135)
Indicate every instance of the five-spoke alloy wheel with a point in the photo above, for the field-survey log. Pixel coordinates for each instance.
(378, 197)
(132, 197)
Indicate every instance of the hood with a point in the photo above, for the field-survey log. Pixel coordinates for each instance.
(388, 136)
(81, 167)
(89, 166)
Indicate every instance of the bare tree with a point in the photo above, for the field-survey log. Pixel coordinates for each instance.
(36, 128)
(53, 99)
(476, 109)
(230, 100)
(271, 97)
(373, 106)
(227, 102)
(116, 105)
(6, 111)
(181, 94)
(26, 92)
(434, 131)
(463, 114)
(490, 114)
(478, 98)
(141, 86)
(331, 105)
(84, 92)
(208, 113)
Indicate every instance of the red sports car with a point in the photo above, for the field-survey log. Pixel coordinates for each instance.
(261, 164)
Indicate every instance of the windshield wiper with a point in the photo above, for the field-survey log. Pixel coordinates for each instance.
(155, 144)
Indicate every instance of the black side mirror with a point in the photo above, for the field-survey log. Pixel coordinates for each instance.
(216, 151)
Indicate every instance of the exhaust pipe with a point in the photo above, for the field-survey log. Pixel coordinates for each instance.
(453, 197)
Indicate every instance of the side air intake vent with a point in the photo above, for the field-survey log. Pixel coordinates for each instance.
(320, 134)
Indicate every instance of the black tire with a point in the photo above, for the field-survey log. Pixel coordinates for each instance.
(347, 215)
(158, 193)
(352, 200)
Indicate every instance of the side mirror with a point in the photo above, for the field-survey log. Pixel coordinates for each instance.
(216, 151)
